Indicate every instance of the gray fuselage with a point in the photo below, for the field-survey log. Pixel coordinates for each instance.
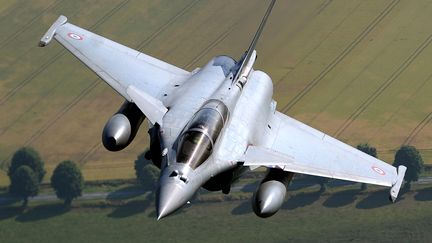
(248, 108)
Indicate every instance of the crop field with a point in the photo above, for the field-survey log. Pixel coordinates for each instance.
(305, 217)
(358, 70)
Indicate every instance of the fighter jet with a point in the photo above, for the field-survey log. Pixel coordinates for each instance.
(210, 126)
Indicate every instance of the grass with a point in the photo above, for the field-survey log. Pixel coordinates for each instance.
(305, 217)
(355, 69)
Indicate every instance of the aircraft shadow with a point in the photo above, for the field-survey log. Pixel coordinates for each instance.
(424, 195)
(341, 199)
(301, 200)
(244, 207)
(126, 193)
(42, 212)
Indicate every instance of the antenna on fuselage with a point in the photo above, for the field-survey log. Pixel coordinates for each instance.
(247, 60)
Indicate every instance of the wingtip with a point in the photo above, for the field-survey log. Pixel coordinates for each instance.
(394, 191)
(46, 39)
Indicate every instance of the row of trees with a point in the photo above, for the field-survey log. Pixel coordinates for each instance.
(27, 171)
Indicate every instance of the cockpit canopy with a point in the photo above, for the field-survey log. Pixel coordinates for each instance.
(200, 134)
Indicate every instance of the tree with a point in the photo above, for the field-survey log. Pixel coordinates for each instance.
(24, 183)
(141, 161)
(146, 173)
(410, 157)
(150, 177)
(366, 148)
(67, 181)
(30, 157)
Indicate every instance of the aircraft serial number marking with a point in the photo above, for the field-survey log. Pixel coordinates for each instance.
(75, 36)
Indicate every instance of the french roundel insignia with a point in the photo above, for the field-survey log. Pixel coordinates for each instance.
(75, 36)
(378, 170)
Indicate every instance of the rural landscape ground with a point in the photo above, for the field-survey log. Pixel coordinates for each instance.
(358, 70)
(342, 214)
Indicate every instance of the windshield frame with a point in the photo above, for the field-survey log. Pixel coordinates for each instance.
(206, 126)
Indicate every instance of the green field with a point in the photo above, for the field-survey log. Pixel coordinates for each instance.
(305, 217)
(358, 70)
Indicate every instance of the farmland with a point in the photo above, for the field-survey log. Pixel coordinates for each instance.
(358, 70)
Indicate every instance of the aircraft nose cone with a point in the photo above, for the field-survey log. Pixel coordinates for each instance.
(170, 197)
